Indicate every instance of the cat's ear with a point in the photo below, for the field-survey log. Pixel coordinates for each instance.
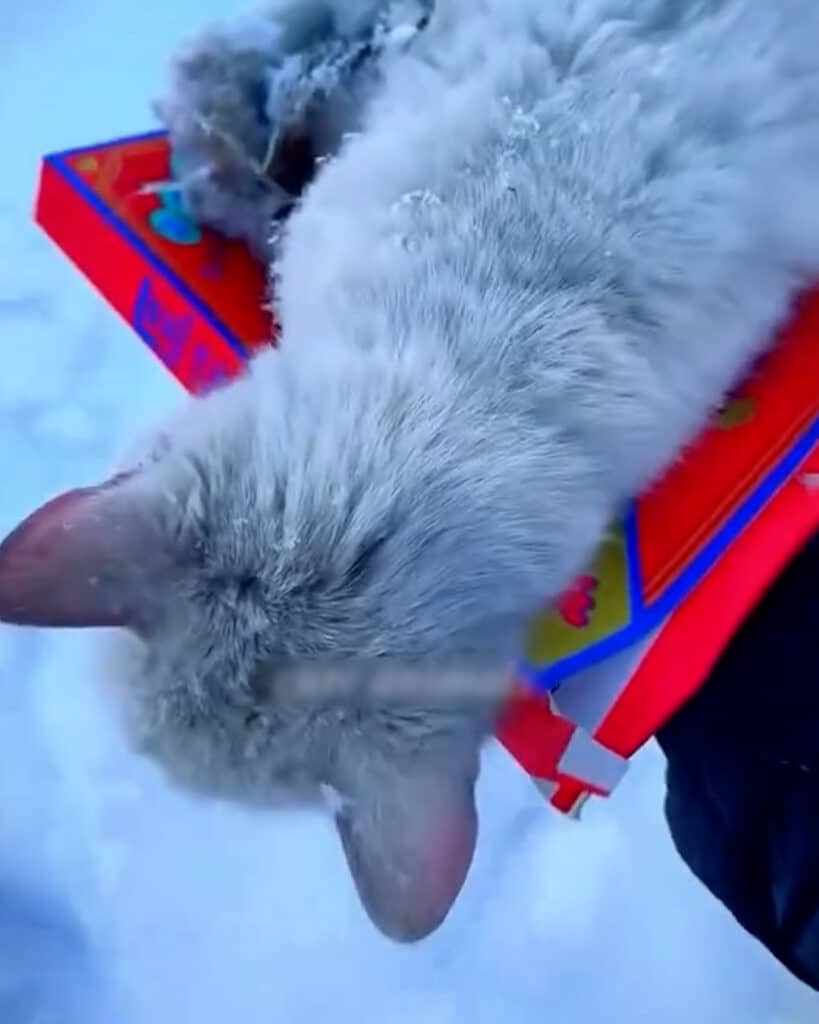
(408, 828)
(79, 560)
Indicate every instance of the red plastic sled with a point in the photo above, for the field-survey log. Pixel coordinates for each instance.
(638, 633)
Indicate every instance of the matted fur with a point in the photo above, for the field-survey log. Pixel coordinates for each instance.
(561, 233)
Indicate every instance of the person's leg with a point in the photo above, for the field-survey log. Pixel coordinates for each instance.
(743, 773)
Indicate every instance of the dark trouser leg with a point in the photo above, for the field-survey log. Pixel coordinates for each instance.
(743, 773)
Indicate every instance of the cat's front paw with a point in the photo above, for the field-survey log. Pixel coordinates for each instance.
(253, 106)
(214, 109)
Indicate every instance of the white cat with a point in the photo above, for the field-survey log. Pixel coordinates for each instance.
(561, 233)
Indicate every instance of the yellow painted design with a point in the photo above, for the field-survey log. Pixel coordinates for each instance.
(88, 165)
(597, 610)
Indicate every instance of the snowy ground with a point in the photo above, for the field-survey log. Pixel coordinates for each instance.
(124, 902)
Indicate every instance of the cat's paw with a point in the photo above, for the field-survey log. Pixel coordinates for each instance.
(253, 106)
(215, 111)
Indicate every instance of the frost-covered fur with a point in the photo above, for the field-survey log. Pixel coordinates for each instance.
(563, 232)
(255, 104)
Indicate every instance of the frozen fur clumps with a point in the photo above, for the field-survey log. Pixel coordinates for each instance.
(255, 104)
(557, 235)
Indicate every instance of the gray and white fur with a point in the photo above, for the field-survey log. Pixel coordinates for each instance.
(559, 235)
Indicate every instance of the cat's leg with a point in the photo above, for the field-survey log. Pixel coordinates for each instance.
(252, 105)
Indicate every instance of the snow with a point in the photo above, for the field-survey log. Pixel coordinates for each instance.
(121, 900)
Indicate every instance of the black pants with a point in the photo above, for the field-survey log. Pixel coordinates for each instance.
(743, 773)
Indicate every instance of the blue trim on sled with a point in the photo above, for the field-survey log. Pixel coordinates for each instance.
(649, 617)
(133, 239)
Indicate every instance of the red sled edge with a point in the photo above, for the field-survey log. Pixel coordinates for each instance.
(677, 661)
(170, 323)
